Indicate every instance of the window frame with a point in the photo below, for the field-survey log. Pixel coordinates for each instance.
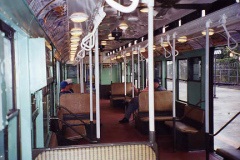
(178, 79)
(166, 75)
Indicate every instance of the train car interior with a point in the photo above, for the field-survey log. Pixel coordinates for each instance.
(119, 79)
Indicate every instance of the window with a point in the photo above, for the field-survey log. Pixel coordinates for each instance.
(195, 69)
(182, 80)
(169, 75)
(158, 70)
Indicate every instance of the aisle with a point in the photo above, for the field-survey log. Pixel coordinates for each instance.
(112, 132)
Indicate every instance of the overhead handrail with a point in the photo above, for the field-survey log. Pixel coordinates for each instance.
(168, 40)
(224, 126)
(122, 8)
(165, 50)
(88, 41)
(75, 116)
(223, 23)
(55, 118)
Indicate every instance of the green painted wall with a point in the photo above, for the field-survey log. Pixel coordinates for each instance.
(196, 90)
(106, 75)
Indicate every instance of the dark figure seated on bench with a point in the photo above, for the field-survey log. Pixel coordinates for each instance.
(66, 87)
(133, 104)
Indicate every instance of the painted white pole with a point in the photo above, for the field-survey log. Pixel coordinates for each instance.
(125, 78)
(81, 76)
(97, 86)
(111, 72)
(90, 77)
(78, 73)
(207, 90)
(58, 81)
(174, 75)
(138, 68)
(85, 72)
(151, 66)
(207, 79)
(132, 75)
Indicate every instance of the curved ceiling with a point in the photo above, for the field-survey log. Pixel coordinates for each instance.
(53, 17)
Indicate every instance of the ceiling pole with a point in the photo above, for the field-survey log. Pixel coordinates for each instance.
(132, 74)
(91, 91)
(78, 73)
(150, 72)
(207, 89)
(138, 68)
(81, 76)
(97, 86)
(174, 88)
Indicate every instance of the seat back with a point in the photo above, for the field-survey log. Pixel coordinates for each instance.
(78, 103)
(117, 151)
(77, 88)
(162, 101)
(117, 89)
(195, 114)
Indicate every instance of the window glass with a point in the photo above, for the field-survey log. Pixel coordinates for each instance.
(169, 69)
(182, 80)
(158, 70)
(169, 84)
(195, 69)
(182, 69)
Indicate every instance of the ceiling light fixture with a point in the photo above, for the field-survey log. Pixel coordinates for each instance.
(128, 54)
(74, 39)
(142, 50)
(182, 39)
(154, 47)
(76, 31)
(211, 32)
(104, 43)
(135, 52)
(110, 37)
(78, 17)
(123, 26)
(72, 57)
(144, 10)
(74, 49)
(74, 44)
(164, 44)
(118, 57)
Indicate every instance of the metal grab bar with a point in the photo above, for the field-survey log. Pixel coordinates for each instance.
(14, 113)
(55, 118)
(225, 125)
(75, 116)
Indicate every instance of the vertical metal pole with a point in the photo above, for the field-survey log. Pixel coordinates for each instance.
(150, 72)
(85, 69)
(111, 72)
(81, 77)
(174, 89)
(125, 78)
(207, 90)
(58, 81)
(97, 86)
(90, 79)
(132, 75)
(139, 69)
(78, 73)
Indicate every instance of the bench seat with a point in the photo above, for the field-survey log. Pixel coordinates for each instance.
(118, 92)
(182, 127)
(229, 154)
(158, 118)
(162, 108)
(190, 129)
